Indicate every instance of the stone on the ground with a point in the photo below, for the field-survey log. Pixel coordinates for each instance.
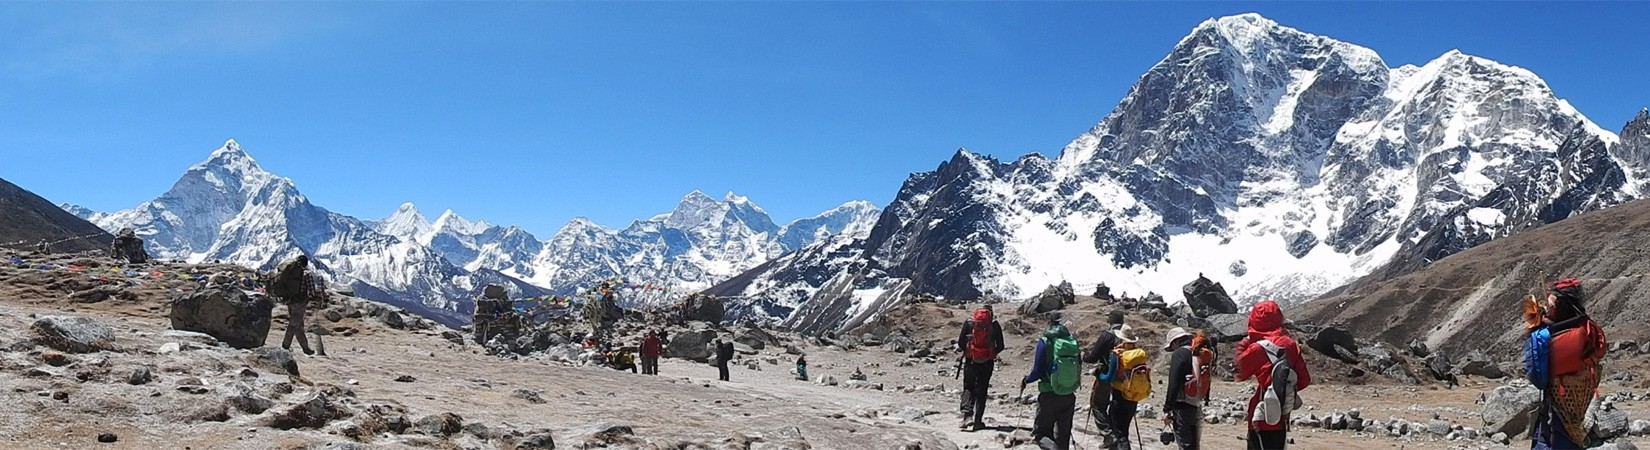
(1507, 408)
(1639, 427)
(691, 345)
(73, 334)
(226, 313)
(1439, 365)
(444, 424)
(406, 379)
(1053, 298)
(1206, 298)
(314, 412)
(139, 376)
(1419, 348)
(1336, 343)
(703, 308)
(393, 319)
(542, 440)
(1480, 364)
(243, 398)
(107, 438)
(1608, 422)
(530, 396)
(272, 359)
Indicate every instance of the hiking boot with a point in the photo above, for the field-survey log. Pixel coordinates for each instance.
(977, 426)
(966, 424)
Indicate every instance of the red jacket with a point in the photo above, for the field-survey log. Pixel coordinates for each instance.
(1266, 322)
(650, 347)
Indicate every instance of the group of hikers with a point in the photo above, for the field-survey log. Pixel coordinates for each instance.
(1562, 358)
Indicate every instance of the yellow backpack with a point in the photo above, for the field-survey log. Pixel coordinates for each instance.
(1134, 374)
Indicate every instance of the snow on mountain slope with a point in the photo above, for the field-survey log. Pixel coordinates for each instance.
(229, 209)
(1281, 163)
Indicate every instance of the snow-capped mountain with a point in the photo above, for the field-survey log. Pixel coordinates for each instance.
(1282, 163)
(230, 209)
(701, 242)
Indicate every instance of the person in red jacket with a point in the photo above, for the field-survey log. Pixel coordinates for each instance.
(650, 354)
(1254, 361)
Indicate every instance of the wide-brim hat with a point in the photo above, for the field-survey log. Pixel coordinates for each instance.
(1175, 334)
(1123, 333)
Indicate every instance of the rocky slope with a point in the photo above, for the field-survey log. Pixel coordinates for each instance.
(26, 219)
(1280, 163)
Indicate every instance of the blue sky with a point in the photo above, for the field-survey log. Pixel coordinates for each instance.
(534, 113)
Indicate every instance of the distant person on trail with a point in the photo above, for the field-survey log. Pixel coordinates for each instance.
(292, 286)
(1274, 360)
(651, 348)
(980, 341)
(1131, 382)
(1058, 371)
(724, 353)
(1561, 358)
(802, 367)
(622, 360)
(1190, 362)
(1100, 353)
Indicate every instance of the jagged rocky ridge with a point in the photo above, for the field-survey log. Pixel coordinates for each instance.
(1281, 163)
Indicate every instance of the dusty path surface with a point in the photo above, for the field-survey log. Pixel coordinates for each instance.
(50, 399)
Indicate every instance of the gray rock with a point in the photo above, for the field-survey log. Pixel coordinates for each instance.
(1336, 343)
(1439, 366)
(1419, 348)
(1207, 298)
(530, 396)
(272, 359)
(73, 334)
(537, 441)
(1228, 327)
(314, 412)
(691, 345)
(1639, 427)
(756, 338)
(139, 376)
(243, 398)
(226, 313)
(704, 308)
(1507, 408)
(909, 414)
(444, 424)
(1618, 445)
(1053, 298)
(1480, 364)
(393, 319)
(1438, 427)
(1500, 438)
(1607, 421)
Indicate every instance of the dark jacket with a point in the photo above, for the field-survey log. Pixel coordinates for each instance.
(651, 347)
(724, 353)
(1100, 351)
(1180, 367)
(997, 345)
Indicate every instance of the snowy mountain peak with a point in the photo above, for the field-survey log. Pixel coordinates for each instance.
(451, 221)
(79, 211)
(406, 223)
(735, 198)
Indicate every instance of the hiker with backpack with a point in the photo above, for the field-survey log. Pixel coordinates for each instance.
(1131, 382)
(1190, 364)
(1273, 359)
(1562, 358)
(980, 341)
(1058, 371)
(652, 347)
(1100, 354)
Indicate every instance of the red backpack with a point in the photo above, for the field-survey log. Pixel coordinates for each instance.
(979, 339)
(1196, 389)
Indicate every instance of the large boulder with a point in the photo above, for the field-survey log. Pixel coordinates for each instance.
(314, 412)
(691, 345)
(226, 313)
(73, 334)
(755, 338)
(1480, 364)
(272, 359)
(1507, 409)
(1228, 327)
(703, 308)
(1208, 298)
(1439, 365)
(1606, 421)
(1053, 298)
(1335, 343)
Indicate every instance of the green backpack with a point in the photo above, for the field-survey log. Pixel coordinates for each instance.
(1067, 374)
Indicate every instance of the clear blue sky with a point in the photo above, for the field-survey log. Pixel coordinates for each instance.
(533, 113)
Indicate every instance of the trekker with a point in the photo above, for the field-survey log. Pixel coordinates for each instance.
(1100, 353)
(1131, 383)
(290, 285)
(623, 360)
(1058, 371)
(651, 348)
(1562, 359)
(1271, 357)
(724, 353)
(980, 341)
(1190, 364)
(802, 367)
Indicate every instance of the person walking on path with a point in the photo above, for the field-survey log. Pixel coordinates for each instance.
(1562, 359)
(1131, 383)
(1100, 353)
(1272, 358)
(1058, 371)
(291, 285)
(724, 353)
(980, 340)
(1187, 390)
(651, 348)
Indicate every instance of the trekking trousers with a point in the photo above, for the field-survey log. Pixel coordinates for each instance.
(1099, 409)
(976, 386)
(722, 371)
(1268, 439)
(1122, 414)
(650, 365)
(1054, 415)
(295, 325)
(1188, 425)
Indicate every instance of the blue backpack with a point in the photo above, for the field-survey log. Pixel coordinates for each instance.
(1536, 357)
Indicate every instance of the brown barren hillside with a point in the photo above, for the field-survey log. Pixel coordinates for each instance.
(26, 218)
(1470, 300)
